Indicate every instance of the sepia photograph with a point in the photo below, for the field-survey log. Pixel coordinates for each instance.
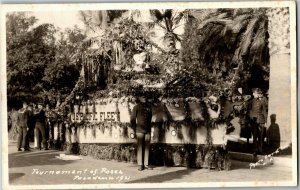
(148, 95)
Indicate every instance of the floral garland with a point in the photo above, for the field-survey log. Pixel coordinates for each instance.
(267, 160)
(102, 126)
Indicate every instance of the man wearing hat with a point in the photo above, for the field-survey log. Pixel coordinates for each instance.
(22, 123)
(141, 120)
(258, 116)
(40, 121)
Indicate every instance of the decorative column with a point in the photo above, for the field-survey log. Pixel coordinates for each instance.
(280, 77)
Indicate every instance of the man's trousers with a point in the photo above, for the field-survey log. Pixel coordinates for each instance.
(258, 137)
(143, 148)
(40, 128)
(22, 137)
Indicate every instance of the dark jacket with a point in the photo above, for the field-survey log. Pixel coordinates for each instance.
(39, 116)
(22, 119)
(31, 120)
(258, 109)
(141, 118)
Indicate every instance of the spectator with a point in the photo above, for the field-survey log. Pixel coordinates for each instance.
(22, 123)
(258, 116)
(40, 121)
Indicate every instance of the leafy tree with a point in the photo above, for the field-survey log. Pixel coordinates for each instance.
(40, 66)
(29, 50)
(61, 76)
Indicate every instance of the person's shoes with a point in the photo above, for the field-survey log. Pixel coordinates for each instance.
(46, 149)
(19, 149)
(148, 168)
(141, 168)
(26, 149)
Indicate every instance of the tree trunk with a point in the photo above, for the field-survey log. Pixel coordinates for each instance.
(280, 78)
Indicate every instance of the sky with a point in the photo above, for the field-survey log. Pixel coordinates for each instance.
(63, 19)
(68, 19)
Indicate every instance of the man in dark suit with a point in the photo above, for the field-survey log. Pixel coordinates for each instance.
(22, 122)
(141, 120)
(258, 116)
(40, 121)
(30, 123)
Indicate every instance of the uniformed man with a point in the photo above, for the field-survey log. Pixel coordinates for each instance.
(22, 123)
(258, 116)
(141, 121)
(40, 121)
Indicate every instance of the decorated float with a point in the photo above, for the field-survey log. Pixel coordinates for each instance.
(190, 123)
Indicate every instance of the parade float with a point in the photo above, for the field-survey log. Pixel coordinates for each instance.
(190, 123)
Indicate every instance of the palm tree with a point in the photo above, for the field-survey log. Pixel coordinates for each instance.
(169, 20)
(228, 41)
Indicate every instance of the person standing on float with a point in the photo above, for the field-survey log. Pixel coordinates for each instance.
(258, 117)
(40, 121)
(141, 121)
(22, 123)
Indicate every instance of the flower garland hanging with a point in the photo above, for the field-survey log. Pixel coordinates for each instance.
(267, 160)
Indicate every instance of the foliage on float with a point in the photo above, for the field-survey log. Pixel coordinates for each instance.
(189, 155)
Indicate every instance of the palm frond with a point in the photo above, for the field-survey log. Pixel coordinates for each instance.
(168, 14)
(246, 40)
(177, 26)
(242, 11)
(217, 21)
(157, 15)
(177, 37)
(210, 38)
(240, 22)
(223, 15)
(259, 43)
(201, 14)
(178, 18)
(259, 38)
(162, 26)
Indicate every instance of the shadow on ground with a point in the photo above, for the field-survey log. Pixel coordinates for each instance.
(35, 158)
(13, 176)
(164, 177)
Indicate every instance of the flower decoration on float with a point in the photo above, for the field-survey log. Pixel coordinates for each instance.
(265, 161)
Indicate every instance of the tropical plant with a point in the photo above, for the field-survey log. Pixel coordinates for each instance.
(228, 44)
(169, 20)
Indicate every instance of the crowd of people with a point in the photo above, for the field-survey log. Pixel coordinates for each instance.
(31, 119)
